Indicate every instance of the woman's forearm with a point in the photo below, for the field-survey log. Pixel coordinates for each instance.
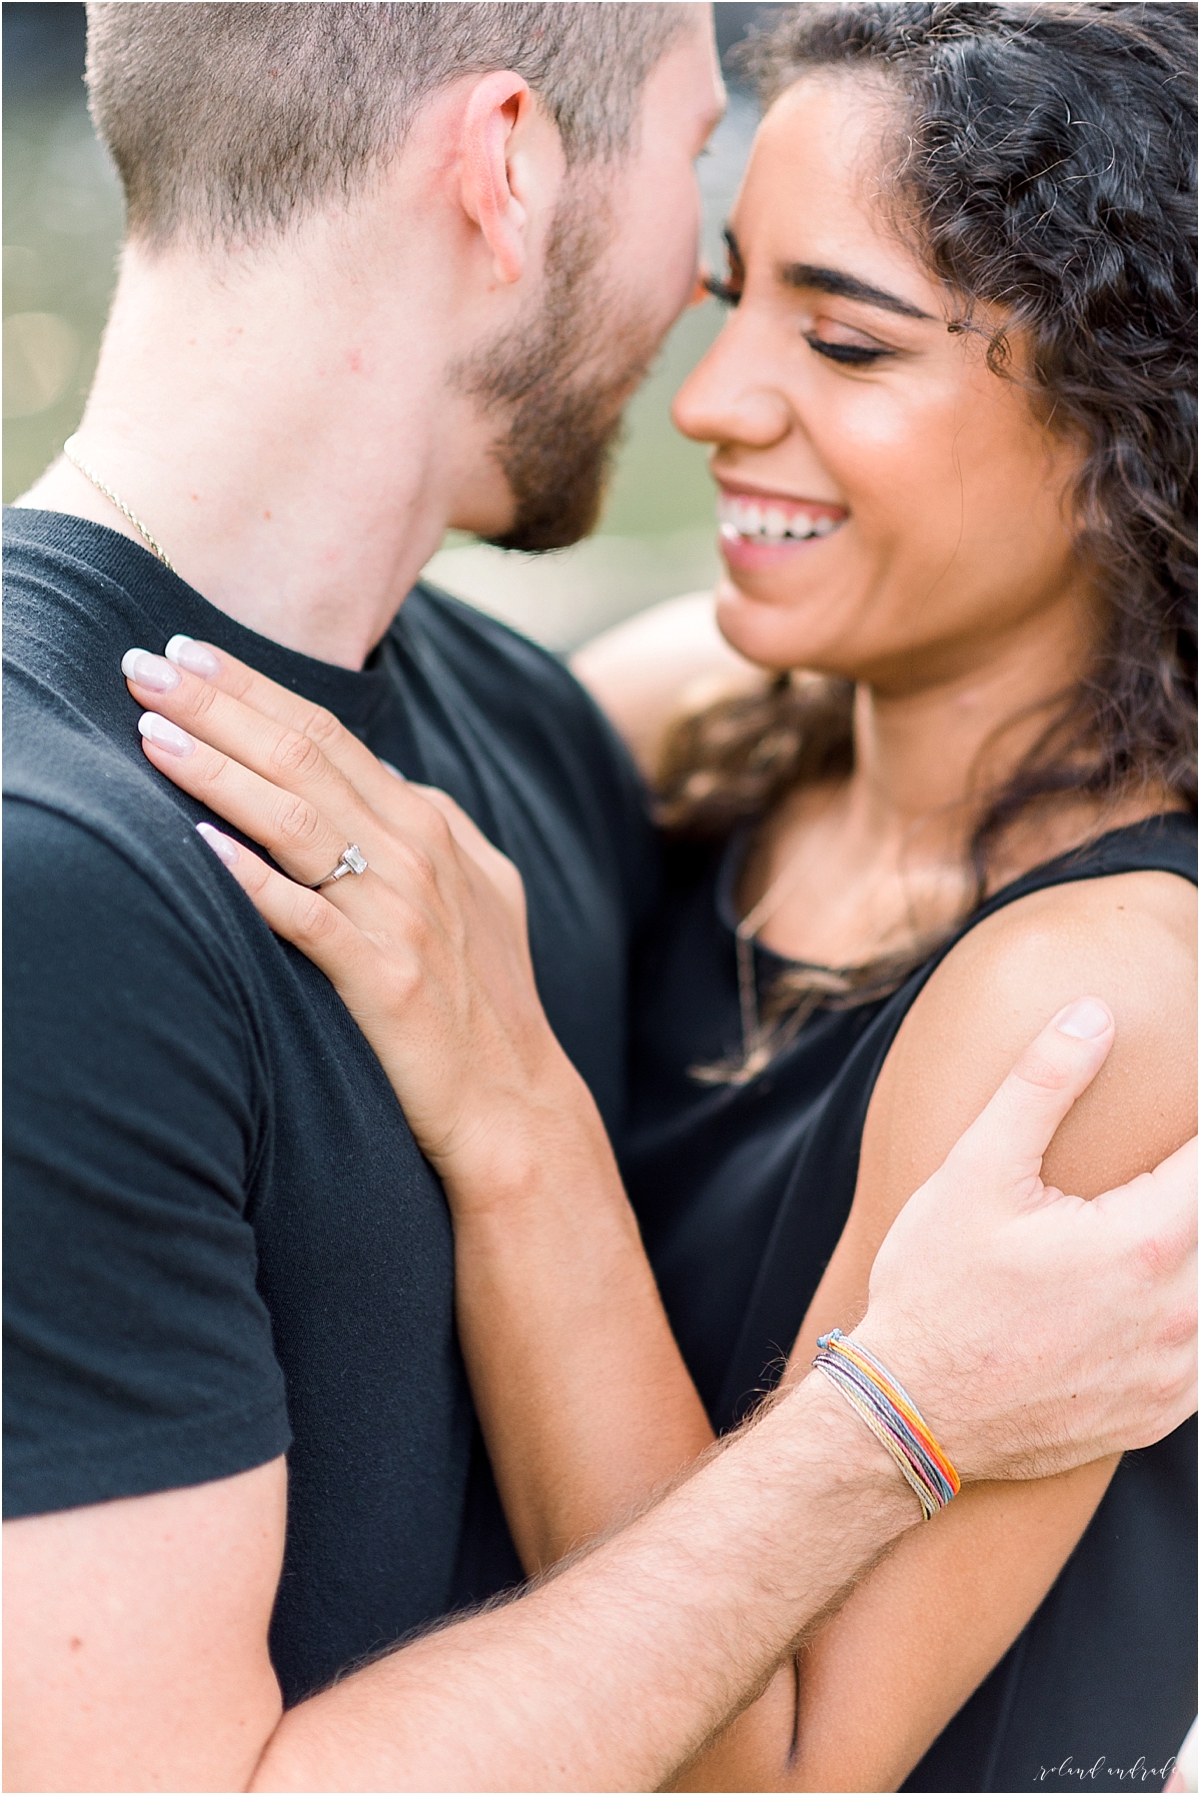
(584, 1400)
(587, 1408)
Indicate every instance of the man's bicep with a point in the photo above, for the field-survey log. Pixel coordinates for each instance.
(136, 1638)
(138, 1352)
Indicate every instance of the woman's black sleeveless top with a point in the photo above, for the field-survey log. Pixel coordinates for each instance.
(742, 1193)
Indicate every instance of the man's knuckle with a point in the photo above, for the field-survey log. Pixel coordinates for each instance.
(1043, 1073)
(1168, 1384)
(1157, 1257)
(1178, 1328)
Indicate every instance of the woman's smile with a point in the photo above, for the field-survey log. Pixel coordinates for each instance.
(760, 529)
(841, 388)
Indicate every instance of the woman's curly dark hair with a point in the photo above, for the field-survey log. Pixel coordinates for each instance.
(1046, 153)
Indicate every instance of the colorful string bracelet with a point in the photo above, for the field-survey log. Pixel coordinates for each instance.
(892, 1416)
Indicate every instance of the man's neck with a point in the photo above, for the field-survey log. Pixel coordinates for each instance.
(290, 474)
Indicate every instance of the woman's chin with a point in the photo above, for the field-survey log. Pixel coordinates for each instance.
(776, 631)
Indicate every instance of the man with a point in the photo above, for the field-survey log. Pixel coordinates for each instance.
(389, 269)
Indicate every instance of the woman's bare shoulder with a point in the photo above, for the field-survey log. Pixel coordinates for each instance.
(1129, 939)
(668, 660)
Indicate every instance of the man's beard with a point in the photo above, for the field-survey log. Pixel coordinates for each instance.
(563, 406)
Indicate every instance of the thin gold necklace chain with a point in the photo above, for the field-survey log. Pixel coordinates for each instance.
(90, 473)
(744, 939)
(773, 896)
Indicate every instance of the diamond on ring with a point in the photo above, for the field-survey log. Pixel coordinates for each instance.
(351, 861)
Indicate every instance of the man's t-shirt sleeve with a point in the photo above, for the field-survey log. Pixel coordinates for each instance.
(138, 1352)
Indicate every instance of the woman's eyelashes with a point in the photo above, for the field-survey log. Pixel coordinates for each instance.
(850, 355)
(728, 292)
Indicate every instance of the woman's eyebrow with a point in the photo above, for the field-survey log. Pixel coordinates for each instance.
(846, 286)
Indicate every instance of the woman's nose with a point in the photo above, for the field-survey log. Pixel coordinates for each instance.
(725, 400)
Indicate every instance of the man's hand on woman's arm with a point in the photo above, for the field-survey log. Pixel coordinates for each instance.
(137, 1632)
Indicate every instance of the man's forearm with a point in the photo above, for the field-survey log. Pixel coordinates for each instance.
(617, 1670)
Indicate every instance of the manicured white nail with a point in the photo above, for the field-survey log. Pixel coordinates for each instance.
(163, 734)
(222, 847)
(193, 657)
(149, 670)
(390, 768)
(1084, 1020)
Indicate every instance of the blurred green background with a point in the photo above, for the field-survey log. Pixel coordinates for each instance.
(62, 226)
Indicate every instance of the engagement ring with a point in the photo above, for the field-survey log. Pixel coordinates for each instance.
(350, 862)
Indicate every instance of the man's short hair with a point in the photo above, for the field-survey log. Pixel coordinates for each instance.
(229, 120)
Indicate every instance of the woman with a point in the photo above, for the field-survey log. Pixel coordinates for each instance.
(953, 439)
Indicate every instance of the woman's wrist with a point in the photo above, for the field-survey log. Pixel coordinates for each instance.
(522, 1144)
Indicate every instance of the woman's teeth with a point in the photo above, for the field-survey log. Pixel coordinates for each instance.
(742, 517)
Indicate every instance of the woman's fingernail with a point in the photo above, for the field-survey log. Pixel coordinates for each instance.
(163, 734)
(222, 847)
(149, 670)
(387, 765)
(193, 657)
(1085, 1020)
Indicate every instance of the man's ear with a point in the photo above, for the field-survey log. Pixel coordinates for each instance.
(490, 193)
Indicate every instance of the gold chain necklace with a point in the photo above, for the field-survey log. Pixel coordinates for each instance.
(74, 458)
(745, 935)
(754, 1057)
(744, 938)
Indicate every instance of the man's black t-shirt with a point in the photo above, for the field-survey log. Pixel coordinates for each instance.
(220, 1234)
